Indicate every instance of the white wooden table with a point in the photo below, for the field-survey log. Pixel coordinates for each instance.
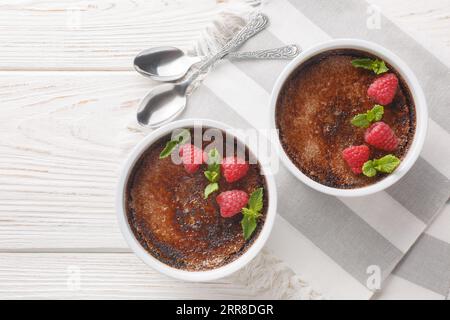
(66, 83)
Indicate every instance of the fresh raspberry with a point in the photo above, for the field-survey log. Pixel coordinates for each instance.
(234, 168)
(381, 136)
(383, 89)
(356, 156)
(191, 157)
(231, 202)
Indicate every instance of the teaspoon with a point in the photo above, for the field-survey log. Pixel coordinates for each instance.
(165, 102)
(171, 63)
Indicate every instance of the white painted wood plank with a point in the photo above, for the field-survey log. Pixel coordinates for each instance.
(101, 276)
(59, 157)
(95, 35)
(427, 21)
(58, 136)
(106, 34)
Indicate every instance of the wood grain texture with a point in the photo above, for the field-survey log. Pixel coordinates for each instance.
(95, 35)
(101, 276)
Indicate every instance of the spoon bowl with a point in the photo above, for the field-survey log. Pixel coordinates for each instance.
(162, 104)
(170, 63)
(164, 63)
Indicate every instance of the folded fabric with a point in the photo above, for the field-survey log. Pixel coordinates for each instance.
(333, 243)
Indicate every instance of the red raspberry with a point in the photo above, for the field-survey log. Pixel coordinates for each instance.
(231, 202)
(383, 89)
(234, 168)
(381, 136)
(356, 156)
(191, 157)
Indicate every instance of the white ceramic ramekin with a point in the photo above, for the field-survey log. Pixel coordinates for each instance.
(134, 244)
(417, 95)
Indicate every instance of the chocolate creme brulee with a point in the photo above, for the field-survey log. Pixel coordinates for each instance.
(173, 221)
(315, 108)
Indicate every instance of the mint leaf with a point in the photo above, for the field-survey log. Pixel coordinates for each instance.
(180, 138)
(368, 169)
(212, 173)
(170, 146)
(377, 66)
(212, 176)
(360, 120)
(248, 224)
(363, 120)
(210, 188)
(378, 111)
(252, 212)
(386, 164)
(255, 202)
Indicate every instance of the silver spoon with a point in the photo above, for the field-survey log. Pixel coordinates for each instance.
(164, 102)
(171, 63)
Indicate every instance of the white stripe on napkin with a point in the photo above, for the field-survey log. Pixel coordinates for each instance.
(403, 227)
(290, 26)
(227, 82)
(309, 262)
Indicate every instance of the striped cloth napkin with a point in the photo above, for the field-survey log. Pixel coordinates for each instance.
(335, 243)
(332, 242)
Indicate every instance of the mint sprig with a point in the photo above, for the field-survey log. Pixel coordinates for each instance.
(386, 164)
(252, 213)
(377, 66)
(212, 173)
(180, 138)
(363, 120)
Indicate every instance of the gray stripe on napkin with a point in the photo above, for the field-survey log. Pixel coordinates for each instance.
(262, 72)
(335, 229)
(349, 20)
(325, 220)
(422, 191)
(427, 264)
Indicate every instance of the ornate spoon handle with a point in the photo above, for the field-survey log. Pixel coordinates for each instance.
(256, 25)
(286, 52)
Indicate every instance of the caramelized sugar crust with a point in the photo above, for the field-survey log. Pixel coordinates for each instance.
(172, 220)
(313, 116)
